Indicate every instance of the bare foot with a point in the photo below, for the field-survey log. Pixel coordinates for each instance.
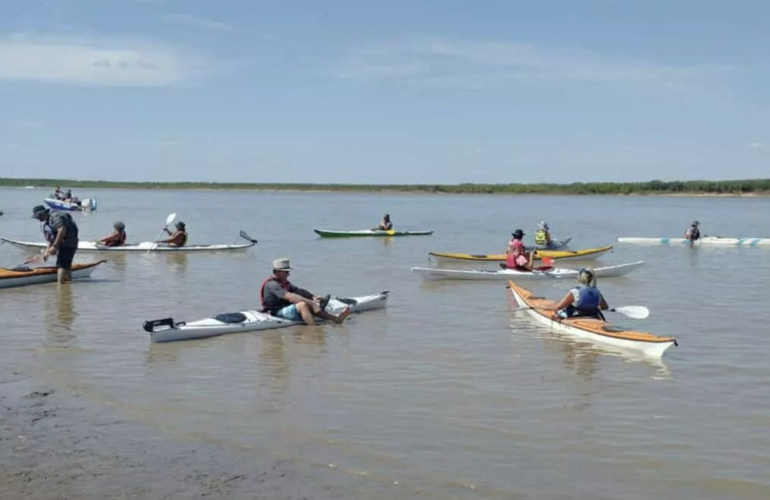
(344, 314)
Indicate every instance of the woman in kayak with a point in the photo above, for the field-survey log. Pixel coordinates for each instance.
(178, 238)
(585, 300)
(280, 298)
(117, 237)
(517, 256)
(385, 224)
(543, 235)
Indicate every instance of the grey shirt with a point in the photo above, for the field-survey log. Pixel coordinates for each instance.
(60, 219)
(273, 295)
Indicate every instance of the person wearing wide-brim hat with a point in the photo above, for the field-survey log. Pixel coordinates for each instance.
(280, 298)
(178, 238)
(517, 256)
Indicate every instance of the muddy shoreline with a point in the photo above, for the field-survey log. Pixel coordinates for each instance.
(56, 445)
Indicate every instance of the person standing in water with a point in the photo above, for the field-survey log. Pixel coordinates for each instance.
(65, 241)
(692, 233)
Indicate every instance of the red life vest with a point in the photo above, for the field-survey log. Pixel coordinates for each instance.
(285, 286)
(120, 241)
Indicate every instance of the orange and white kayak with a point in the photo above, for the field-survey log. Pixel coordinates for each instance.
(593, 329)
(21, 277)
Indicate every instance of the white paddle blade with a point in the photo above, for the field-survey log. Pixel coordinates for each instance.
(170, 218)
(635, 312)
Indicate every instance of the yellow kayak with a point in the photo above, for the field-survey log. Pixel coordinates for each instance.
(587, 254)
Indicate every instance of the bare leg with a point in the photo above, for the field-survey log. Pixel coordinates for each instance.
(67, 275)
(61, 275)
(304, 310)
(337, 319)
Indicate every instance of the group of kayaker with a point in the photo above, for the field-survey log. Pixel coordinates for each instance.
(61, 233)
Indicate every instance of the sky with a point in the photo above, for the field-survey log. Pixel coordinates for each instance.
(430, 91)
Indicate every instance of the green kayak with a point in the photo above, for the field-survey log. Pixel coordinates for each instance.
(368, 232)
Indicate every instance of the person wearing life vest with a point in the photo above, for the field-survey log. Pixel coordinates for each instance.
(585, 300)
(517, 256)
(65, 240)
(281, 298)
(117, 237)
(178, 238)
(543, 236)
(692, 233)
(385, 224)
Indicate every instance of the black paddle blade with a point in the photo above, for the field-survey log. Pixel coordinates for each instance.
(245, 236)
(149, 326)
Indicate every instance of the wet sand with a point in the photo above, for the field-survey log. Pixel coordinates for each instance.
(55, 445)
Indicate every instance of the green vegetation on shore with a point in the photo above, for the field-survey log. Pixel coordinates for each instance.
(737, 187)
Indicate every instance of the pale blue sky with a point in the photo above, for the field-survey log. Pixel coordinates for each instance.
(385, 92)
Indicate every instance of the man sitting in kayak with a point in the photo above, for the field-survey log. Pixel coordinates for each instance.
(116, 238)
(585, 300)
(693, 233)
(385, 224)
(280, 298)
(178, 238)
(517, 256)
(543, 235)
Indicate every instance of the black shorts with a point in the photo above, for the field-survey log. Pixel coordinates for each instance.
(64, 257)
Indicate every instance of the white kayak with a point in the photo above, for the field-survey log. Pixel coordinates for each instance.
(432, 273)
(710, 241)
(166, 330)
(147, 246)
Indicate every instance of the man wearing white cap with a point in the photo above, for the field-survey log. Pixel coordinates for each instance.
(281, 298)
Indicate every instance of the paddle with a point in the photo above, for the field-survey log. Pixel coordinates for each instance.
(169, 220)
(247, 237)
(633, 312)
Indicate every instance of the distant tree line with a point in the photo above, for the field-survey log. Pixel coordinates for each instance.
(755, 186)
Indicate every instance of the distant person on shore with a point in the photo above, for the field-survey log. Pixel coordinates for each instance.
(517, 256)
(280, 298)
(693, 233)
(178, 238)
(117, 237)
(385, 224)
(65, 242)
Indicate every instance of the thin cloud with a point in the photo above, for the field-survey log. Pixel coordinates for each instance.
(437, 62)
(758, 145)
(98, 62)
(197, 22)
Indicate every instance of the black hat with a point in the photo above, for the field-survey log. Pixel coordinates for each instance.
(180, 225)
(518, 233)
(38, 211)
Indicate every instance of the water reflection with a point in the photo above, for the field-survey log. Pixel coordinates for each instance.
(60, 317)
(177, 262)
(273, 361)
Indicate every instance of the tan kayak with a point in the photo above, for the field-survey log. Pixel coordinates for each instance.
(10, 278)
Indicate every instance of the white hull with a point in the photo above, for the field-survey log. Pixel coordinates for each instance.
(43, 278)
(651, 349)
(254, 321)
(708, 241)
(429, 273)
(86, 205)
(148, 246)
